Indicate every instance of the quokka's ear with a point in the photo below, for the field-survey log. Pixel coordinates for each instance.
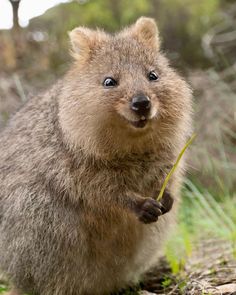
(146, 31)
(84, 41)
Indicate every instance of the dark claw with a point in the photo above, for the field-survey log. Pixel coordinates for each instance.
(148, 210)
(166, 202)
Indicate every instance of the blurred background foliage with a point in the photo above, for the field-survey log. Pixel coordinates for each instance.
(199, 37)
(182, 24)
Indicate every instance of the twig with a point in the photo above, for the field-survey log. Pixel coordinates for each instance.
(19, 87)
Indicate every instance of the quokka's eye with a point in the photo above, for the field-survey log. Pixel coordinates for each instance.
(109, 82)
(152, 76)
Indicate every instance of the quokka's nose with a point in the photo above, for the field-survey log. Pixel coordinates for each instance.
(141, 105)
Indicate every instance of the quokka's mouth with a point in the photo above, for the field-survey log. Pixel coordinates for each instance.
(140, 123)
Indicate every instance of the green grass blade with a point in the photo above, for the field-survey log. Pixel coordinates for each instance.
(189, 142)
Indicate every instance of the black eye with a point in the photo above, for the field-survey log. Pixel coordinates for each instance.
(109, 82)
(152, 76)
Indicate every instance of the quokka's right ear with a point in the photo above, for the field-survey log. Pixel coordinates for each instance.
(145, 31)
(84, 41)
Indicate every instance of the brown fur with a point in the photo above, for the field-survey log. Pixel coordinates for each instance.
(76, 176)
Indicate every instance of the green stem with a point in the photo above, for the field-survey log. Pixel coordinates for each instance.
(175, 166)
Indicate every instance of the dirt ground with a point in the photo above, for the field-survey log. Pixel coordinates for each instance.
(211, 269)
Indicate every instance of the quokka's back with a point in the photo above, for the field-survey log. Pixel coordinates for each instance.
(81, 166)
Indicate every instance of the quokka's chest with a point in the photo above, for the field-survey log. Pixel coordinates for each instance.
(144, 176)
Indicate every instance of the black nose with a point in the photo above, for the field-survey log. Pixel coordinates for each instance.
(141, 105)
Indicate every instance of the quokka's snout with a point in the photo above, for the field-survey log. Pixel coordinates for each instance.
(139, 110)
(141, 106)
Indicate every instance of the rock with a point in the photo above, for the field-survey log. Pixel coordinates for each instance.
(146, 293)
(223, 289)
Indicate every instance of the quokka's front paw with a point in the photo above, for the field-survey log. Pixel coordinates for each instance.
(148, 210)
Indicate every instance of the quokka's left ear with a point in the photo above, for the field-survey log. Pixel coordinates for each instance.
(145, 30)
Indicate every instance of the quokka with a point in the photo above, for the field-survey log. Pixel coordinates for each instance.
(81, 165)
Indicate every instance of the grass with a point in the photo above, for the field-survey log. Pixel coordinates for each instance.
(205, 213)
(189, 142)
(201, 216)
(3, 288)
